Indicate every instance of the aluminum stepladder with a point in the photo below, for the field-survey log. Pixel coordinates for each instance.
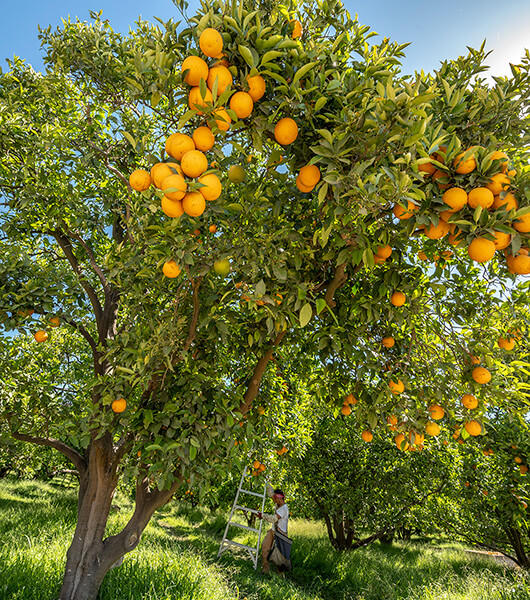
(227, 543)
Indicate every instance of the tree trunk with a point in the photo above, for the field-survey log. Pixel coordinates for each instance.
(86, 563)
(90, 556)
(517, 544)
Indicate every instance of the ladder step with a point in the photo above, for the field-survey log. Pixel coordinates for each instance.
(251, 493)
(250, 510)
(232, 543)
(232, 524)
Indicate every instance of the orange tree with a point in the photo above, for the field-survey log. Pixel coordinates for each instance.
(192, 199)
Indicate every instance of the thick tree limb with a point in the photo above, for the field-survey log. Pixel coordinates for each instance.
(192, 331)
(257, 375)
(69, 452)
(66, 246)
(97, 269)
(339, 279)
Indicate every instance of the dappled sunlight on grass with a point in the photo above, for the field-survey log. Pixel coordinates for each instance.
(177, 559)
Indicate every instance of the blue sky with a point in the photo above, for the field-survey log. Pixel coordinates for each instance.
(437, 30)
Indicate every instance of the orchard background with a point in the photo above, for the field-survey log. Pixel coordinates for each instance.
(246, 235)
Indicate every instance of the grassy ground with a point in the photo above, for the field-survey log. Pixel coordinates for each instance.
(177, 560)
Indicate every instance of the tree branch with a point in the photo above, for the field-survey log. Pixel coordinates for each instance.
(192, 331)
(66, 246)
(69, 452)
(97, 269)
(257, 375)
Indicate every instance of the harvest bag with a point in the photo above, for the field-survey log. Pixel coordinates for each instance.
(280, 554)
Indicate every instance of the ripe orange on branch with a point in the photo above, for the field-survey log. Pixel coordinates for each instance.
(432, 428)
(118, 406)
(498, 183)
(455, 198)
(398, 298)
(474, 428)
(171, 269)
(480, 196)
(194, 204)
(367, 436)
(405, 213)
(140, 180)
(222, 119)
(508, 203)
(436, 232)
(203, 138)
(40, 336)
(194, 163)
(212, 186)
(196, 68)
(256, 87)
(223, 77)
(309, 175)
(172, 208)
(396, 387)
(286, 131)
(211, 42)
(506, 343)
(465, 162)
(481, 375)
(242, 104)
(481, 249)
(469, 401)
(388, 342)
(174, 181)
(196, 101)
(436, 412)
(346, 410)
(160, 171)
(178, 144)
(522, 223)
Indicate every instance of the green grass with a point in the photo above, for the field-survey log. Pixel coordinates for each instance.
(176, 560)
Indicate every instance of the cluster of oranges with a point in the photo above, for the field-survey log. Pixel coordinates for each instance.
(258, 468)
(42, 335)
(493, 195)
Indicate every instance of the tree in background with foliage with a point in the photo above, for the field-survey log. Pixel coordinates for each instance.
(330, 185)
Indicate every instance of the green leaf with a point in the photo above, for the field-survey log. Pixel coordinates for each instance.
(320, 103)
(303, 71)
(193, 452)
(247, 55)
(270, 55)
(305, 314)
(261, 288)
(129, 138)
(321, 305)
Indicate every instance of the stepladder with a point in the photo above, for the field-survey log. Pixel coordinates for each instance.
(233, 525)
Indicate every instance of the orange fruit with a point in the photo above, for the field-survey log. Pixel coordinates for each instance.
(469, 401)
(384, 251)
(481, 249)
(440, 155)
(388, 342)
(223, 77)
(501, 156)
(160, 171)
(196, 68)
(427, 168)
(398, 298)
(203, 138)
(55, 322)
(178, 144)
(367, 435)
(350, 399)
(174, 181)
(309, 175)
(194, 204)
(509, 202)
(303, 188)
(520, 264)
(40, 336)
(256, 464)
(194, 163)
(502, 240)
(286, 131)
(416, 439)
(474, 428)
(401, 442)
(242, 104)
(523, 469)
(498, 183)
(118, 406)
(432, 428)
(297, 29)
(481, 375)
(404, 213)
(422, 255)
(212, 228)
(436, 232)
(211, 42)
(518, 460)
(439, 174)
(396, 387)
(391, 420)
(222, 119)
(345, 410)
(436, 412)
(480, 196)
(522, 224)
(171, 269)
(140, 180)
(172, 208)
(256, 87)
(197, 102)
(506, 343)
(465, 162)
(212, 186)
(455, 198)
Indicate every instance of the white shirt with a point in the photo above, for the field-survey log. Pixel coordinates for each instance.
(280, 517)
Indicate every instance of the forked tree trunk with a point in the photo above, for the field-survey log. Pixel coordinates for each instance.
(90, 556)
